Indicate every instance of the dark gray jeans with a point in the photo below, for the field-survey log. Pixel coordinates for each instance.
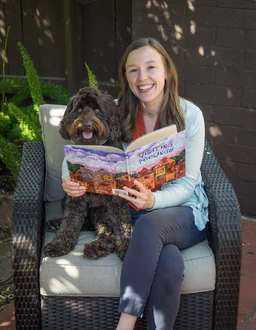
(153, 266)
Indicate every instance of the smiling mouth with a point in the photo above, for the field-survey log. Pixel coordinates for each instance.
(145, 88)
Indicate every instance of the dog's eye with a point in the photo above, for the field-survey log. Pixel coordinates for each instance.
(97, 110)
(80, 110)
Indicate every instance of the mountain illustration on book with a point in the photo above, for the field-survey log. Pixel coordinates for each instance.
(106, 170)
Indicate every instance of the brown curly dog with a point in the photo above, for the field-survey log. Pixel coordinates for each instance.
(91, 119)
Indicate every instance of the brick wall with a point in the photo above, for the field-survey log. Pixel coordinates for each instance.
(213, 44)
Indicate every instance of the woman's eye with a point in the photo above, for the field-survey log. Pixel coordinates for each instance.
(133, 70)
(151, 67)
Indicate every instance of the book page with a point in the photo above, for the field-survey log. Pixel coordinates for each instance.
(152, 137)
(98, 147)
(100, 171)
(158, 163)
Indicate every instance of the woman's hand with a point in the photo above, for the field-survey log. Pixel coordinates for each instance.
(143, 199)
(72, 188)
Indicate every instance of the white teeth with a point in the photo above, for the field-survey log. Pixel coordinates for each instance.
(145, 87)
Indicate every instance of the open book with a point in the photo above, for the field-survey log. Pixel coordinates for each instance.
(153, 159)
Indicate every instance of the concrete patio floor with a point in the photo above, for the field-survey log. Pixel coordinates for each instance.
(247, 300)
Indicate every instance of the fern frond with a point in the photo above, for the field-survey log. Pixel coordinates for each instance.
(91, 77)
(11, 156)
(33, 80)
(29, 125)
(5, 122)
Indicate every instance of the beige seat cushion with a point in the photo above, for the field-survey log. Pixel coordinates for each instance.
(50, 116)
(73, 275)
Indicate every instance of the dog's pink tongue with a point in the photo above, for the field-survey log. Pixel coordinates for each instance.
(87, 135)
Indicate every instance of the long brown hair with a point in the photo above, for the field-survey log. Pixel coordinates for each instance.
(170, 112)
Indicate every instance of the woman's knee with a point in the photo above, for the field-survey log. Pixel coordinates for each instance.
(171, 264)
(145, 227)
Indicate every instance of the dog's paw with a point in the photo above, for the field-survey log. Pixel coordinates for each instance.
(57, 249)
(94, 251)
(52, 225)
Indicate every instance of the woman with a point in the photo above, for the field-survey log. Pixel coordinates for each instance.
(164, 221)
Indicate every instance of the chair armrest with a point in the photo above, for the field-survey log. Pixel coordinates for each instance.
(28, 213)
(224, 238)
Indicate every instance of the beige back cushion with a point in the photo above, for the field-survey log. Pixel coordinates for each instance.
(50, 116)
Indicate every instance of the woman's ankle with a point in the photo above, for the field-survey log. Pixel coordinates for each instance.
(126, 322)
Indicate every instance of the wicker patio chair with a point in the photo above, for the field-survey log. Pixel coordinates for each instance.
(213, 309)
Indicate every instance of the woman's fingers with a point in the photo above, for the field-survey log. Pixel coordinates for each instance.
(72, 188)
(143, 199)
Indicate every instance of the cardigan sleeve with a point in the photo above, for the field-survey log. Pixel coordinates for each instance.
(177, 192)
(64, 168)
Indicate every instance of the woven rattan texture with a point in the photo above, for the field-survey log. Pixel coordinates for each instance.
(225, 240)
(26, 236)
(195, 310)
(72, 313)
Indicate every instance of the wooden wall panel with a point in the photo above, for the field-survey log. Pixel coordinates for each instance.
(51, 42)
(31, 22)
(13, 19)
(99, 38)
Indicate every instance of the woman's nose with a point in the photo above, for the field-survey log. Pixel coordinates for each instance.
(142, 75)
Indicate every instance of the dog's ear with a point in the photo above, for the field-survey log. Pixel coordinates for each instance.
(63, 131)
(115, 129)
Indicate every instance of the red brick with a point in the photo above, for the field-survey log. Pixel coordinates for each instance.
(252, 324)
(213, 94)
(236, 38)
(215, 56)
(248, 231)
(204, 36)
(249, 59)
(247, 137)
(214, 16)
(162, 32)
(248, 206)
(249, 99)
(246, 172)
(207, 112)
(247, 297)
(151, 12)
(234, 116)
(245, 189)
(250, 20)
(235, 78)
(241, 4)
(241, 322)
(229, 168)
(235, 153)
(7, 318)
(249, 260)
(206, 3)
(199, 74)
(223, 133)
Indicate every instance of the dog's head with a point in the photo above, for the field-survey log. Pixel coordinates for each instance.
(91, 118)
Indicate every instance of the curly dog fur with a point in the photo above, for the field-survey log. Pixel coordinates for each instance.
(91, 118)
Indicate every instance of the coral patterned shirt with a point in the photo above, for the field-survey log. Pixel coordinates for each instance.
(139, 131)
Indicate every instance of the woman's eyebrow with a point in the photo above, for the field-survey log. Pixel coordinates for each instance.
(152, 61)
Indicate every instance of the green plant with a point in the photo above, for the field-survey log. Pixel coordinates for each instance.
(33, 80)
(91, 77)
(19, 119)
(4, 63)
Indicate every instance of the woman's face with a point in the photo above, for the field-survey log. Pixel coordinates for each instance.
(146, 75)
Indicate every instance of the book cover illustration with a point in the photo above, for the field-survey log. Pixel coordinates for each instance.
(106, 172)
(157, 163)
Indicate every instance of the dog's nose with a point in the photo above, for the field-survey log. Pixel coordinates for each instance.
(87, 125)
